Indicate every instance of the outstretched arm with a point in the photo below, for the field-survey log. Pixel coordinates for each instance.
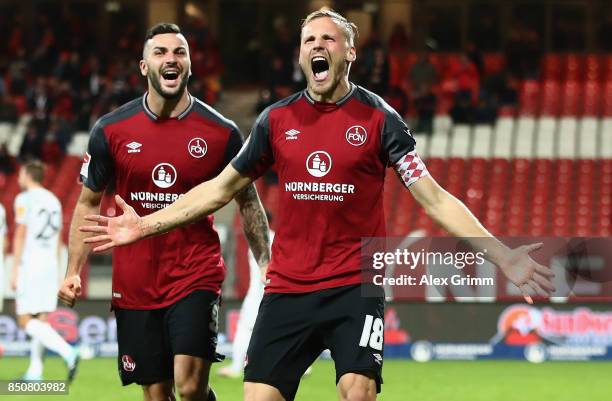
(88, 203)
(529, 276)
(255, 226)
(199, 202)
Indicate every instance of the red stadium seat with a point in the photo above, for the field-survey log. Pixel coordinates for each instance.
(607, 99)
(551, 92)
(592, 99)
(573, 67)
(592, 67)
(529, 98)
(571, 99)
(551, 67)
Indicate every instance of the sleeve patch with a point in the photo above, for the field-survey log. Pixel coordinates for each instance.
(85, 165)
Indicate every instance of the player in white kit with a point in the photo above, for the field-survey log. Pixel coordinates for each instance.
(36, 275)
(248, 314)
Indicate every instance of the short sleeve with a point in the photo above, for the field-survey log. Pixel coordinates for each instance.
(396, 138)
(21, 209)
(234, 144)
(399, 149)
(256, 156)
(97, 170)
(2, 223)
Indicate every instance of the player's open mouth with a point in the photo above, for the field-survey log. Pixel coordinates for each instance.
(320, 68)
(170, 76)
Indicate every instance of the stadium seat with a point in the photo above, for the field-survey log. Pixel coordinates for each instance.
(588, 128)
(551, 92)
(545, 138)
(529, 98)
(422, 144)
(525, 134)
(592, 67)
(605, 147)
(607, 99)
(591, 105)
(567, 138)
(551, 66)
(502, 141)
(439, 144)
(571, 98)
(482, 139)
(460, 141)
(573, 67)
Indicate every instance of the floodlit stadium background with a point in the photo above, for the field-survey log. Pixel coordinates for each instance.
(521, 131)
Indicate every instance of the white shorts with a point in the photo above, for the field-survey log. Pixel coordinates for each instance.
(36, 290)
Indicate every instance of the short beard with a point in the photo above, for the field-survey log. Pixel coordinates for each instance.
(154, 78)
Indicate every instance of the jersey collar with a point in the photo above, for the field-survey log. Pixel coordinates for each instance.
(340, 102)
(155, 117)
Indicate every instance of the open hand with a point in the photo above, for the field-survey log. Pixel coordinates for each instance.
(529, 276)
(114, 231)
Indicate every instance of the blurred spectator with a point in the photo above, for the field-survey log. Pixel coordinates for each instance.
(17, 70)
(7, 164)
(51, 152)
(423, 74)
(8, 111)
(376, 72)
(266, 98)
(475, 56)
(462, 111)
(465, 78)
(38, 99)
(398, 40)
(523, 53)
(423, 77)
(31, 147)
(297, 75)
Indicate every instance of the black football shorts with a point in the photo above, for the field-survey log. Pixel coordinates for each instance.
(292, 330)
(149, 339)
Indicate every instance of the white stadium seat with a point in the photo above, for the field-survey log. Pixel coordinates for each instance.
(587, 138)
(545, 138)
(481, 141)
(460, 141)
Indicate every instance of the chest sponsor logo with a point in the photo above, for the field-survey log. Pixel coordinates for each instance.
(164, 175)
(197, 148)
(319, 163)
(291, 134)
(356, 135)
(133, 147)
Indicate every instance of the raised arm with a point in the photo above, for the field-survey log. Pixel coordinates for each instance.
(78, 251)
(200, 201)
(456, 218)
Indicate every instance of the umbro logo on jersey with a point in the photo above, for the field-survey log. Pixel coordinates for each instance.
(291, 134)
(133, 147)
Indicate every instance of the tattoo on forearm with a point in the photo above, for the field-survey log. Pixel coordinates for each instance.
(255, 224)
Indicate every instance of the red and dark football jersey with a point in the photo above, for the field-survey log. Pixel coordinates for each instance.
(150, 162)
(331, 161)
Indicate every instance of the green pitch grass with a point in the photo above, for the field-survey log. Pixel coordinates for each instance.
(404, 381)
